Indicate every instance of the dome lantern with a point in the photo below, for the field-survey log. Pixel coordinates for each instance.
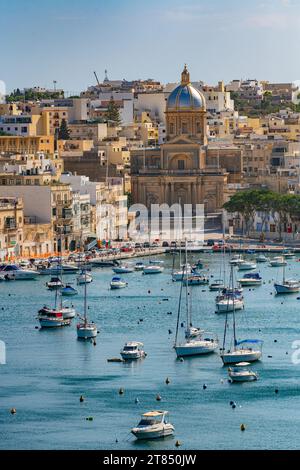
(185, 76)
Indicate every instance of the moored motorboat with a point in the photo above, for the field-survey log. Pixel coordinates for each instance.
(117, 283)
(54, 283)
(139, 266)
(68, 290)
(246, 266)
(218, 284)
(250, 279)
(132, 350)
(153, 425)
(123, 269)
(153, 269)
(196, 280)
(16, 273)
(236, 260)
(262, 258)
(84, 278)
(278, 261)
(229, 304)
(240, 373)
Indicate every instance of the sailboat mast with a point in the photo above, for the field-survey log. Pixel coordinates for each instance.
(186, 289)
(60, 265)
(233, 309)
(85, 296)
(178, 312)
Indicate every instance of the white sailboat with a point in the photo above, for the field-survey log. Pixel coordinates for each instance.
(287, 286)
(241, 350)
(86, 329)
(196, 342)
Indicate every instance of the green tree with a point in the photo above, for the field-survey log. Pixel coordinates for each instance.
(63, 132)
(112, 114)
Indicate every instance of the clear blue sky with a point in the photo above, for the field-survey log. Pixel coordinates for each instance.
(65, 40)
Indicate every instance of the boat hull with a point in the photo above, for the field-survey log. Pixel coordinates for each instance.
(241, 356)
(249, 282)
(156, 433)
(86, 332)
(239, 377)
(223, 307)
(194, 350)
(48, 323)
(282, 289)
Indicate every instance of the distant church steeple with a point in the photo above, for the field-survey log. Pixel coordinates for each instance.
(105, 77)
(185, 76)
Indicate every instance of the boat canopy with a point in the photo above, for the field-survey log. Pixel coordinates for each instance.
(252, 276)
(257, 341)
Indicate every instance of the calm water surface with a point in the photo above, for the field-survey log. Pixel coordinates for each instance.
(47, 371)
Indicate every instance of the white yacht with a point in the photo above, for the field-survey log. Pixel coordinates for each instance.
(218, 284)
(196, 280)
(84, 278)
(278, 261)
(132, 350)
(153, 425)
(139, 266)
(240, 373)
(236, 260)
(246, 266)
(153, 269)
(123, 269)
(262, 258)
(54, 283)
(16, 273)
(117, 283)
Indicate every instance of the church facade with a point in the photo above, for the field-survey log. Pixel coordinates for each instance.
(186, 169)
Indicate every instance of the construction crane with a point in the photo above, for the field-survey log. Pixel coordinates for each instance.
(97, 78)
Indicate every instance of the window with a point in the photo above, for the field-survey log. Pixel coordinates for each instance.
(198, 127)
(171, 128)
(184, 128)
(180, 164)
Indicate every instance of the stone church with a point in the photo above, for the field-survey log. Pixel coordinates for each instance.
(187, 168)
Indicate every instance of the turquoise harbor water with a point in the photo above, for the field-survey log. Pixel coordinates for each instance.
(47, 371)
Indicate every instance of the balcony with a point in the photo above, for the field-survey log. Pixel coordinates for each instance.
(10, 223)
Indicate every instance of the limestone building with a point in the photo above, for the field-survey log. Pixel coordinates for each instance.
(186, 168)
